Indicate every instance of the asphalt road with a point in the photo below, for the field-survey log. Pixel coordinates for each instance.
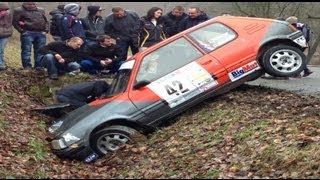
(306, 85)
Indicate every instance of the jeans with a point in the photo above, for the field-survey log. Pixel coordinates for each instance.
(3, 43)
(37, 39)
(54, 67)
(92, 67)
(124, 46)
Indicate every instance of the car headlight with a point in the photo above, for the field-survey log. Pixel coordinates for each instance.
(58, 144)
(55, 127)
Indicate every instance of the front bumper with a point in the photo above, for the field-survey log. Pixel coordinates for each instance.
(81, 153)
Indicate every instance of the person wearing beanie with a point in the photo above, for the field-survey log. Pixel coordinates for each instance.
(93, 24)
(5, 31)
(71, 25)
(30, 21)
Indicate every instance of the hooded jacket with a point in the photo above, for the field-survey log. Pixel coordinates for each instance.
(84, 92)
(92, 24)
(188, 22)
(34, 19)
(71, 25)
(55, 21)
(5, 20)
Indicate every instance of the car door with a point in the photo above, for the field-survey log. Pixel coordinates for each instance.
(175, 76)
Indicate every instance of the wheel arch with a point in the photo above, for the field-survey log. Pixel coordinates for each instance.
(123, 122)
(267, 44)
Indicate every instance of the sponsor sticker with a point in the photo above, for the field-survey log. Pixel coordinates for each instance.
(243, 71)
(92, 157)
(69, 137)
(301, 41)
(183, 84)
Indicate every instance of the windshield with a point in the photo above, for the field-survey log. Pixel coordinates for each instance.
(120, 81)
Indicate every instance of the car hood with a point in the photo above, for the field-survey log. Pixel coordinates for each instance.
(87, 117)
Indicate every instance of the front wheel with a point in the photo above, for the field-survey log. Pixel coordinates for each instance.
(284, 61)
(110, 139)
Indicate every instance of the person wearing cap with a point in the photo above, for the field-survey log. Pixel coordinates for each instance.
(93, 24)
(71, 24)
(5, 30)
(31, 22)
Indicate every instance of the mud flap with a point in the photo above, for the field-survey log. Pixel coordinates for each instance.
(55, 110)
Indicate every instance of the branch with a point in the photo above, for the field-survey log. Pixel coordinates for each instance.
(312, 17)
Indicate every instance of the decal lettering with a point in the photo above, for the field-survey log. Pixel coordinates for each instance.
(243, 71)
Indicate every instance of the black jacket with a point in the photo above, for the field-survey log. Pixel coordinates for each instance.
(60, 47)
(171, 23)
(93, 26)
(84, 91)
(149, 34)
(188, 22)
(124, 28)
(96, 52)
(55, 22)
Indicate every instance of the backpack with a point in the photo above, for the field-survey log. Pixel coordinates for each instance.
(306, 30)
(55, 23)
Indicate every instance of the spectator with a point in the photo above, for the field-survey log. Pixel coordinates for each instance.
(61, 56)
(303, 28)
(5, 30)
(55, 22)
(93, 24)
(71, 25)
(122, 25)
(151, 29)
(195, 17)
(30, 21)
(104, 55)
(80, 94)
(172, 19)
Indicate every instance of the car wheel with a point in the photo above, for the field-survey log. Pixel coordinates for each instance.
(110, 139)
(284, 61)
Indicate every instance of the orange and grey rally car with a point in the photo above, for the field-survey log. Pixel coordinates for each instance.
(176, 74)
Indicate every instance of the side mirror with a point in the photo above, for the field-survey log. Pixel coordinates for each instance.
(140, 84)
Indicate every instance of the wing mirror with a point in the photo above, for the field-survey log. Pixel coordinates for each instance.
(140, 84)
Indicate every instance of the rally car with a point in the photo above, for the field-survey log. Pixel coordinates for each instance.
(176, 74)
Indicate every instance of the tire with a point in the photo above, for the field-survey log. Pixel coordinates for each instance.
(284, 61)
(109, 139)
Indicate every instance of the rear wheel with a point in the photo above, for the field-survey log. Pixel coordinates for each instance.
(284, 61)
(110, 139)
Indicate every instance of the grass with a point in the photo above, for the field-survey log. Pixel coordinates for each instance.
(36, 148)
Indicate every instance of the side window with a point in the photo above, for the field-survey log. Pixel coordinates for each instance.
(212, 36)
(167, 59)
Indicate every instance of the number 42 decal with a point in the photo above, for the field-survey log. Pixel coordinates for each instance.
(176, 88)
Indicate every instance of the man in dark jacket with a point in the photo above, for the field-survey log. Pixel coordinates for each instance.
(55, 22)
(61, 56)
(80, 94)
(30, 21)
(123, 25)
(71, 25)
(104, 55)
(195, 17)
(171, 20)
(93, 24)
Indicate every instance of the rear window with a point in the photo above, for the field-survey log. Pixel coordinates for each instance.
(212, 36)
